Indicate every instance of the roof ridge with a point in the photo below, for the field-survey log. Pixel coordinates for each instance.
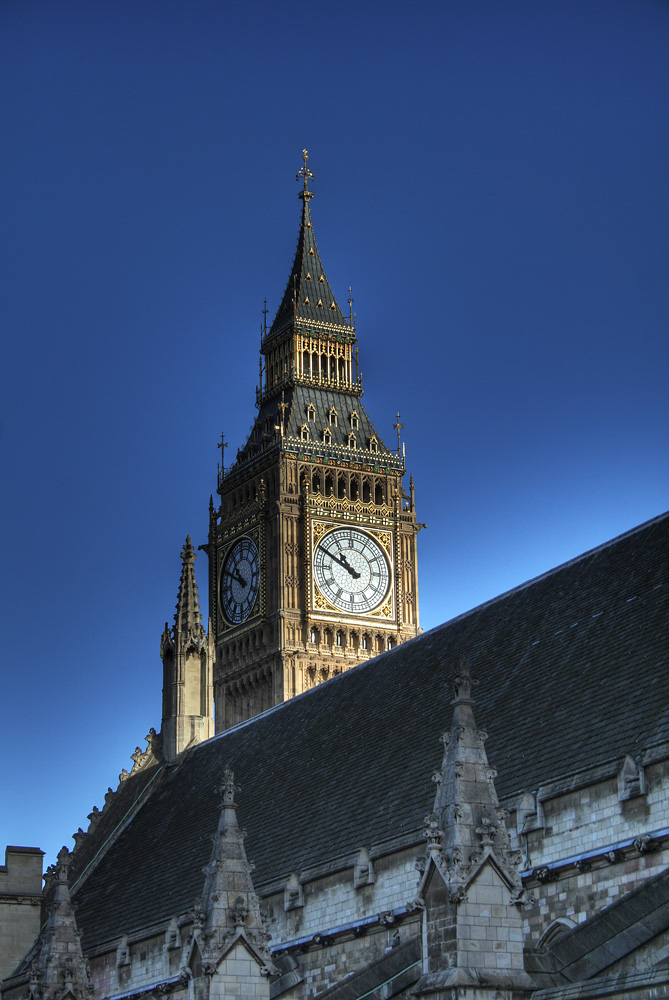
(549, 573)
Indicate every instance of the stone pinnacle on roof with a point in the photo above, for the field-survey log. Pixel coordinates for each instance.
(188, 619)
(469, 865)
(308, 295)
(230, 907)
(60, 967)
(466, 812)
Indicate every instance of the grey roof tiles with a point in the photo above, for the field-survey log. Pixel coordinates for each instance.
(573, 673)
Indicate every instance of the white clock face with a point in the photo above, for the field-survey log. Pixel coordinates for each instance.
(351, 570)
(240, 579)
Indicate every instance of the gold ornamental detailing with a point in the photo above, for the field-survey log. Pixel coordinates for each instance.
(319, 530)
(386, 540)
(307, 175)
(320, 600)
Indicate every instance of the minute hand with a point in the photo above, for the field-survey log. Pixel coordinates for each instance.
(343, 561)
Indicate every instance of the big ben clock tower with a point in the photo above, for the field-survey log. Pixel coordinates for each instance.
(312, 551)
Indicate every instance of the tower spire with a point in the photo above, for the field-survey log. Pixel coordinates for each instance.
(188, 619)
(308, 297)
(187, 652)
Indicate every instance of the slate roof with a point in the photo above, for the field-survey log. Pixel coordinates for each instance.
(573, 673)
(297, 399)
(308, 284)
(591, 948)
(395, 972)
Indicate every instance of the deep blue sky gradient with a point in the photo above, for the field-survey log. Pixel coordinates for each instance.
(491, 178)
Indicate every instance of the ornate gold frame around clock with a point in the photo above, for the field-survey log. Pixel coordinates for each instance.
(224, 544)
(383, 536)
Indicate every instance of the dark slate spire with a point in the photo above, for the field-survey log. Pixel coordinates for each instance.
(308, 295)
(60, 967)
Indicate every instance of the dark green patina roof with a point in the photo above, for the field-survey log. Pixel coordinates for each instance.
(573, 674)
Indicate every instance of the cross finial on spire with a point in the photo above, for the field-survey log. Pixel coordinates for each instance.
(305, 173)
(222, 444)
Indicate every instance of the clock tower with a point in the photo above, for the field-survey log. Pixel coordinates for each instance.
(312, 550)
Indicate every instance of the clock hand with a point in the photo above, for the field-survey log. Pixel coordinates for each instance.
(236, 576)
(343, 561)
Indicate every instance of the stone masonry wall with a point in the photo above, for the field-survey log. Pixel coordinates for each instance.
(239, 978)
(20, 898)
(335, 901)
(581, 855)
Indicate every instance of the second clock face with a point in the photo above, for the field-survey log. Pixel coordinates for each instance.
(351, 570)
(240, 578)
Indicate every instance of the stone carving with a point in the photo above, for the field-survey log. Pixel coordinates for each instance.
(293, 896)
(645, 844)
(631, 779)
(545, 875)
(363, 871)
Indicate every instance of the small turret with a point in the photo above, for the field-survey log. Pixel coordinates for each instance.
(187, 654)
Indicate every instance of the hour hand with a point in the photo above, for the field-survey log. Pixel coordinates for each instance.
(240, 579)
(343, 561)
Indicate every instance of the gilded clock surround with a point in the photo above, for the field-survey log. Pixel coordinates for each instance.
(313, 463)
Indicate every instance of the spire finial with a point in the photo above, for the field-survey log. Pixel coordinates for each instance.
(398, 427)
(222, 444)
(305, 173)
(227, 789)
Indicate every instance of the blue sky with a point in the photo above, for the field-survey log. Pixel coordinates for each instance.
(491, 178)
